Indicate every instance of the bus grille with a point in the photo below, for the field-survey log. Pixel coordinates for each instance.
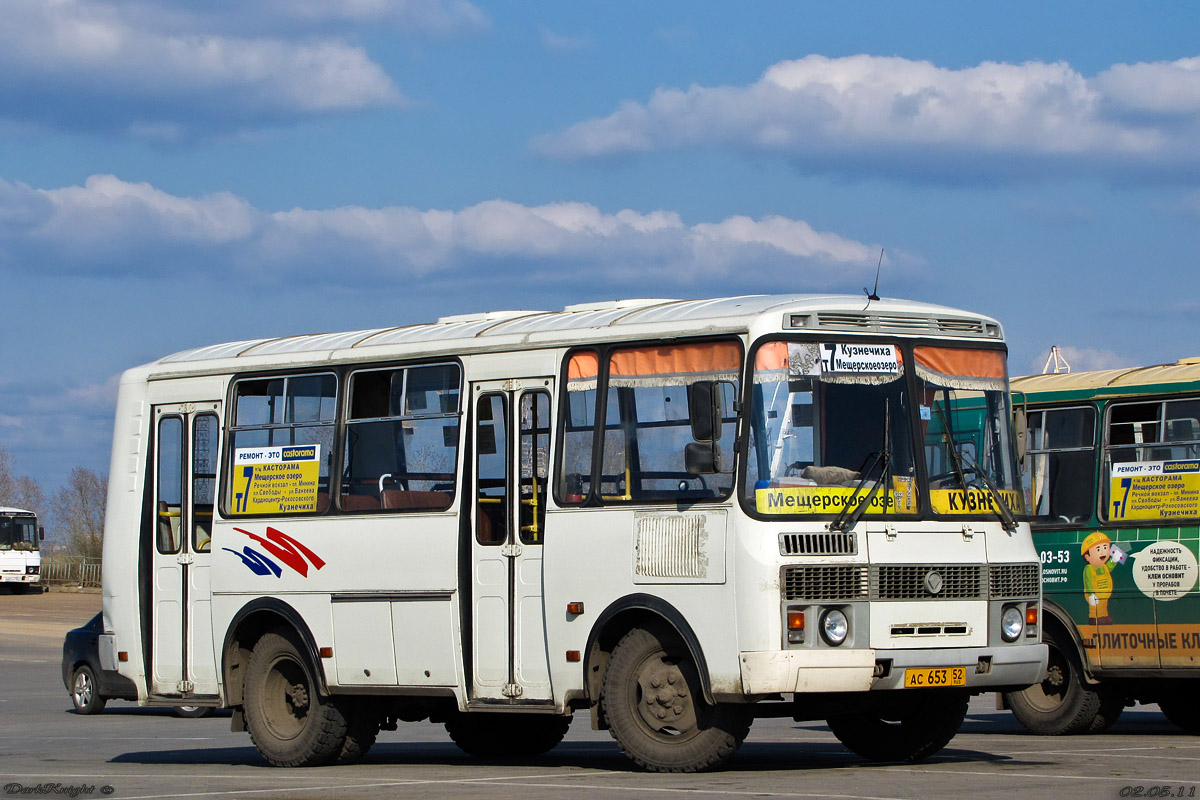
(1015, 580)
(829, 543)
(910, 581)
(928, 582)
(901, 323)
(832, 582)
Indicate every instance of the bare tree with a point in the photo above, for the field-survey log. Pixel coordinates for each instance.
(19, 491)
(79, 511)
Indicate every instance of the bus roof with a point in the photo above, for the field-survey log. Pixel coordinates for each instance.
(605, 321)
(12, 512)
(1183, 375)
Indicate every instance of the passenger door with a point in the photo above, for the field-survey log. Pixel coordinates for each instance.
(186, 439)
(511, 447)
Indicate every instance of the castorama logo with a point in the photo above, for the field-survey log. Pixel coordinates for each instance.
(280, 545)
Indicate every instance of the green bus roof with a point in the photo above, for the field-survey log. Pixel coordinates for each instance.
(1182, 376)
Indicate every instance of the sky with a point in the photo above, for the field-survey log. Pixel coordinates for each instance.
(176, 174)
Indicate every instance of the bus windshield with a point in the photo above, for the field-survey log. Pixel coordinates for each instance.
(18, 533)
(830, 429)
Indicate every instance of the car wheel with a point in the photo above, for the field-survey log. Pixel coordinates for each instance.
(85, 694)
(193, 712)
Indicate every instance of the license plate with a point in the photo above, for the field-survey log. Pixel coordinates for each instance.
(937, 676)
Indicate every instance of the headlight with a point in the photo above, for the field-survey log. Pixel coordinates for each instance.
(834, 626)
(1012, 622)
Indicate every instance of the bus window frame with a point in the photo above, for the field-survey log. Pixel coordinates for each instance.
(230, 428)
(1097, 449)
(604, 350)
(1104, 462)
(907, 345)
(343, 423)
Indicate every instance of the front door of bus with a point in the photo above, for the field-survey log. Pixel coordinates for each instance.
(511, 446)
(186, 437)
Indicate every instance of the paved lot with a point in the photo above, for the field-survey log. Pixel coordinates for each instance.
(144, 753)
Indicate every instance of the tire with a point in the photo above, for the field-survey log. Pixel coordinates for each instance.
(85, 692)
(1112, 703)
(362, 727)
(290, 722)
(915, 727)
(193, 712)
(1180, 710)
(1062, 704)
(654, 703)
(498, 735)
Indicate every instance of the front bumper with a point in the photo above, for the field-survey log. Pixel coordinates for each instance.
(834, 670)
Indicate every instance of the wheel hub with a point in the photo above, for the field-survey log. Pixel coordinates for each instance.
(298, 697)
(666, 703)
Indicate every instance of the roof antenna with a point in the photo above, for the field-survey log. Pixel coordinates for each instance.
(874, 293)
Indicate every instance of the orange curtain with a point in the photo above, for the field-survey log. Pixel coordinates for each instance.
(963, 363)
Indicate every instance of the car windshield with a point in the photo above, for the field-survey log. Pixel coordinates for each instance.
(830, 430)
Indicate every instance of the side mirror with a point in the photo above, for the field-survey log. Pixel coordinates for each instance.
(702, 458)
(704, 410)
(41, 533)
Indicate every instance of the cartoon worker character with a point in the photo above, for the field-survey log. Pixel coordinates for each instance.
(1101, 556)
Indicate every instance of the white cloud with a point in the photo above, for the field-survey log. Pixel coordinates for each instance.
(561, 43)
(136, 69)
(415, 17)
(893, 115)
(113, 227)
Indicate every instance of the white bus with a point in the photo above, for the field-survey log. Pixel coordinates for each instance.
(20, 552)
(679, 515)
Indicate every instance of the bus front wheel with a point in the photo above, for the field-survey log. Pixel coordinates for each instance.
(914, 727)
(654, 703)
(291, 724)
(1180, 709)
(1062, 703)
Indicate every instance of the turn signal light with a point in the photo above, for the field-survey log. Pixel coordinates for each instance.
(795, 620)
(326, 652)
(573, 656)
(122, 655)
(1031, 615)
(575, 608)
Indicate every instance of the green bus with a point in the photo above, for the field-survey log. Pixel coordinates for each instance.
(1111, 467)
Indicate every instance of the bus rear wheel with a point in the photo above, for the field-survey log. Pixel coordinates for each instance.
(362, 727)
(1063, 703)
(291, 724)
(654, 703)
(915, 726)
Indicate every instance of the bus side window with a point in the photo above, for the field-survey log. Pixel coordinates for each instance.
(169, 484)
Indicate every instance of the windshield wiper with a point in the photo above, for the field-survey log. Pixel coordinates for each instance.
(847, 518)
(957, 457)
(1007, 520)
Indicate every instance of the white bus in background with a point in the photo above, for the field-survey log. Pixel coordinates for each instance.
(20, 550)
(679, 515)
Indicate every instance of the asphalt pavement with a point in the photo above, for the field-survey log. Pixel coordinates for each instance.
(131, 752)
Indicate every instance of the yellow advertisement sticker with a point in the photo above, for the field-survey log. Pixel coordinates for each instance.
(1155, 489)
(973, 501)
(276, 480)
(826, 500)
